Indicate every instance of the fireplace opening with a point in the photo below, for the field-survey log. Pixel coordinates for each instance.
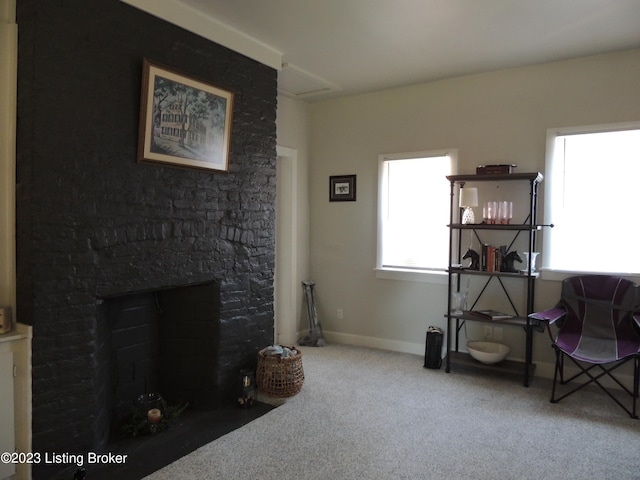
(162, 341)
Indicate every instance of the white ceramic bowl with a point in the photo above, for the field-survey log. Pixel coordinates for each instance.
(488, 352)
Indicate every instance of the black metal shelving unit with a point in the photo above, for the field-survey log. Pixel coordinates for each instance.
(530, 228)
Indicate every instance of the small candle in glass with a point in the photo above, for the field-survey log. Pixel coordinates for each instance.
(154, 415)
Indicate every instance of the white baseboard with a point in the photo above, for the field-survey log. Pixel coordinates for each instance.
(374, 342)
(543, 369)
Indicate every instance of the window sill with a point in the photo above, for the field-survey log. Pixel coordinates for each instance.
(423, 276)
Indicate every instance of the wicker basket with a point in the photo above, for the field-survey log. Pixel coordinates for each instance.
(280, 377)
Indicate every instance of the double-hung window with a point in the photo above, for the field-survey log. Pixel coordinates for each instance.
(591, 195)
(413, 210)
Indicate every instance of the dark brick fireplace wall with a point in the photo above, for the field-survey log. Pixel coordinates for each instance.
(92, 223)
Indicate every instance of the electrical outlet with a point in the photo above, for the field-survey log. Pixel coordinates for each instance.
(497, 333)
(340, 314)
(488, 332)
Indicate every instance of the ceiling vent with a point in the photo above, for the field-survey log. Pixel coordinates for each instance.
(297, 83)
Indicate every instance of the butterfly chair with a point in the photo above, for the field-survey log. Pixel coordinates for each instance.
(598, 320)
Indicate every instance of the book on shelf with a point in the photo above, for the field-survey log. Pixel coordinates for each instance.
(492, 258)
(492, 314)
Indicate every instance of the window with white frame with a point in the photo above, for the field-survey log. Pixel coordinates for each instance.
(413, 210)
(591, 197)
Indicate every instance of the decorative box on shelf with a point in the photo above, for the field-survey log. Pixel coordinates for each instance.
(495, 169)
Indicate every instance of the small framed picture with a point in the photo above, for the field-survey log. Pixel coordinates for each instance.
(342, 188)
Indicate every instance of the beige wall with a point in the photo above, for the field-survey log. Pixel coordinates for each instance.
(18, 342)
(490, 118)
(8, 75)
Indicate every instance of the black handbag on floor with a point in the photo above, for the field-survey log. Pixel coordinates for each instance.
(433, 348)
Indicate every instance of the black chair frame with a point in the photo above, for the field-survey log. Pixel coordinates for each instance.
(604, 372)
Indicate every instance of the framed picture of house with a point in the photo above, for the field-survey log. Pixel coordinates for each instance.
(342, 188)
(184, 122)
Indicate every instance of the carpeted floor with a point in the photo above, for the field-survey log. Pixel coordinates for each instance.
(372, 414)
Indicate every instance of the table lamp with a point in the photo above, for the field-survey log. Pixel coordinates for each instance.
(468, 199)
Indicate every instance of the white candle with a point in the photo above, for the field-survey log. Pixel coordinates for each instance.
(154, 415)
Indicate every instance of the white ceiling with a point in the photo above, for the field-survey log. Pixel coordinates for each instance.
(331, 48)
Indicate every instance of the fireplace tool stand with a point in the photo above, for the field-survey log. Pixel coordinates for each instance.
(314, 338)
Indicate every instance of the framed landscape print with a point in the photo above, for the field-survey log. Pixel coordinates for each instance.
(184, 122)
(342, 188)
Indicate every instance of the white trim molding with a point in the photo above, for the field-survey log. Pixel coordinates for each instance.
(207, 27)
(286, 279)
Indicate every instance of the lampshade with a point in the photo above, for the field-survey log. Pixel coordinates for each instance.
(468, 197)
